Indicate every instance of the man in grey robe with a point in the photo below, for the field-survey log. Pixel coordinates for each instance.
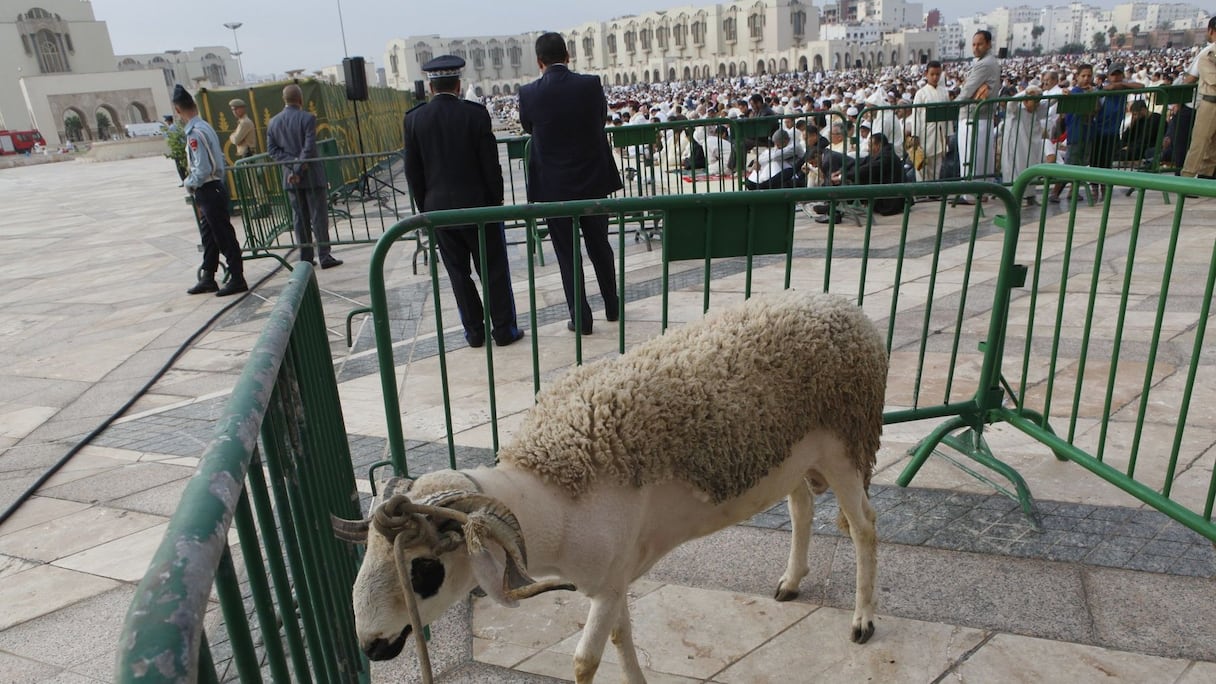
(976, 148)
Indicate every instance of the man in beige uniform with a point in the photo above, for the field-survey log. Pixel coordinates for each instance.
(244, 137)
(1201, 156)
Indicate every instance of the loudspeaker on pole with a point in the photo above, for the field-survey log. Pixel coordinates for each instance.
(355, 73)
(419, 90)
(1003, 53)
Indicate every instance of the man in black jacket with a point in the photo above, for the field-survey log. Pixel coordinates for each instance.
(880, 167)
(570, 159)
(451, 162)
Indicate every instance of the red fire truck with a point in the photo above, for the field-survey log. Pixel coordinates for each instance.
(19, 142)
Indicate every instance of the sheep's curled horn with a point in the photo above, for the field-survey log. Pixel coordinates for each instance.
(483, 520)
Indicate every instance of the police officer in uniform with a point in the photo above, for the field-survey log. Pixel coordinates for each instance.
(451, 162)
(205, 182)
(1201, 157)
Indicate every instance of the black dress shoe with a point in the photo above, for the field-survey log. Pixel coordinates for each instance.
(514, 337)
(586, 327)
(204, 286)
(820, 209)
(475, 340)
(612, 315)
(824, 219)
(330, 262)
(234, 286)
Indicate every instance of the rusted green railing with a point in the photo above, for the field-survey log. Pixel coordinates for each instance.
(278, 467)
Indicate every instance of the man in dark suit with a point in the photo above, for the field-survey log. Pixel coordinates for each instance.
(571, 160)
(451, 162)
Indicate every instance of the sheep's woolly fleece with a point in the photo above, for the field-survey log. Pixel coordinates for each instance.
(717, 403)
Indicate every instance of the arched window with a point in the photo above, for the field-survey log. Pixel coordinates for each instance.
(496, 56)
(729, 28)
(630, 41)
(644, 38)
(679, 35)
(610, 41)
(570, 48)
(588, 46)
(661, 36)
(516, 54)
(50, 53)
(755, 25)
(129, 64)
(698, 33)
(798, 19)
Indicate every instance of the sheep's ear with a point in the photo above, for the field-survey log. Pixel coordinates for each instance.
(489, 572)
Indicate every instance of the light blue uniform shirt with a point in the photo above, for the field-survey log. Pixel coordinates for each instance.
(204, 158)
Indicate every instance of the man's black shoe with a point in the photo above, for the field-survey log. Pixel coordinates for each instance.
(510, 339)
(586, 327)
(234, 286)
(612, 315)
(820, 209)
(824, 219)
(330, 262)
(475, 340)
(204, 286)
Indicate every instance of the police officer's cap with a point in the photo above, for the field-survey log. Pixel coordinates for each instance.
(237, 102)
(444, 66)
(181, 97)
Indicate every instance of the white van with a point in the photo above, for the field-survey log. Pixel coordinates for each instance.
(139, 130)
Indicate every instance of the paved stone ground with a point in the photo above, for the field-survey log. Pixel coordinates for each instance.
(100, 256)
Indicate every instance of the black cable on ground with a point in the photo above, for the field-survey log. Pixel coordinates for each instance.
(182, 349)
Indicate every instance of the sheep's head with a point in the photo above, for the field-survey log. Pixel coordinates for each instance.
(441, 546)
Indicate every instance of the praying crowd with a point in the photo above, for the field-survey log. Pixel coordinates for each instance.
(834, 122)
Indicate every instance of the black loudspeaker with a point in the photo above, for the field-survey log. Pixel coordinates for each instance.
(1169, 45)
(857, 65)
(1003, 53)
(419, 90)
(924, 59)
(356, 78)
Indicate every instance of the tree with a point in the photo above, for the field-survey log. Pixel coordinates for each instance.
(1036, 33)
(1072, 49)
(72, 128)
(103, 125)
(1099, 40)
(1135, 31)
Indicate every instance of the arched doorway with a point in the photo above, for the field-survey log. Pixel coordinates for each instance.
(137, 113)
(671, 74)
(848, 61)
(495, 91)
(742, 68)
(802, 63)
(479, 92)
(76, 126)
(880, 64)
(106, 121)
(722, 70)
(688, 74)
(818, 63)
(616, 79)
(760, 71)
(894, 57)
(633, 77)
(772, 67)
(732, 70)
(646, 76)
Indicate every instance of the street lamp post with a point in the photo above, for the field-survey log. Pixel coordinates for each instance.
(234, 25)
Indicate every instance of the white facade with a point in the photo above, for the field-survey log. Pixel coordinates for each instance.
(951, 43)
(204, 67)
(56, 61)
(683, 43)
(1150, 16)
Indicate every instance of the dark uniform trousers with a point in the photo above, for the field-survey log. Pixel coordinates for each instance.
(459, 250)
(215, 228)
(598, 250)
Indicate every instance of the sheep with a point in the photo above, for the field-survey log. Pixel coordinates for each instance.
(624, 459)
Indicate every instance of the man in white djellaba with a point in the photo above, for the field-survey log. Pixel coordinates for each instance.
(934, 137)
(1022, 141)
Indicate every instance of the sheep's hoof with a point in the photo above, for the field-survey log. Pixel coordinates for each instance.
(860, 635)
(785, 594)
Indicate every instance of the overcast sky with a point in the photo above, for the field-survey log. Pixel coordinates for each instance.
(278, 35)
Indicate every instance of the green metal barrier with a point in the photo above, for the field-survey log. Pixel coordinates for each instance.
(278, 467)
(362, 204)
(746, 230)
(953, 295)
